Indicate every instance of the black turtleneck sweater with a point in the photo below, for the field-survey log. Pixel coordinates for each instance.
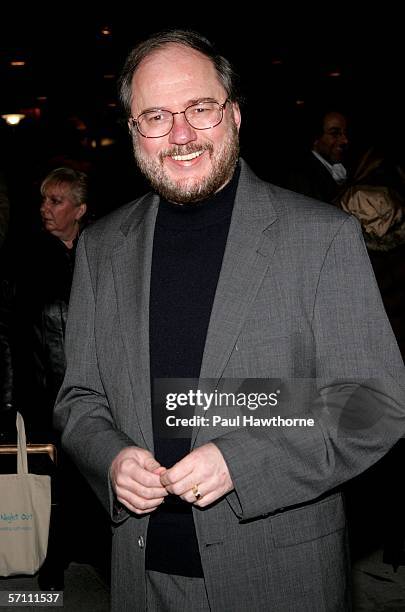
(188, 248)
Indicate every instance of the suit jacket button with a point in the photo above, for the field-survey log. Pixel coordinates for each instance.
(141, 542)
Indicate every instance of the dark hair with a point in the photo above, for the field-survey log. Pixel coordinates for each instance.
(76, 180)
(317, 122)
(186, 38)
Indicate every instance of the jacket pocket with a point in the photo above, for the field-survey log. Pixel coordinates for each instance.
(309, 522)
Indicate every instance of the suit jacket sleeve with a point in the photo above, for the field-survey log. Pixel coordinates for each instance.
(359, 411)
(82, 409)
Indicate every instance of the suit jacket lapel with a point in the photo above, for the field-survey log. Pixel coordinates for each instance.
(250, 246)
(132, 269)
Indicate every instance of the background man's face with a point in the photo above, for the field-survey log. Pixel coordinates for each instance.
(333, 142)
(172, 79)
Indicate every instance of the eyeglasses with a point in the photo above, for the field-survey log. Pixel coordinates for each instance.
(159, 122)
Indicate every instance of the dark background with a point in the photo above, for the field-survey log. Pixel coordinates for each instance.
(71, 63)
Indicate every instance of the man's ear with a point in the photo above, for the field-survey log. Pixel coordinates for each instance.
(81, 210)
(236, 114)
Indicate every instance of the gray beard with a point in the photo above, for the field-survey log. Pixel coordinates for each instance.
(187, 192)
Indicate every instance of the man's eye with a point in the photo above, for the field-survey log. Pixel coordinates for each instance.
(200, 110)
(335, 132)
(156, 117)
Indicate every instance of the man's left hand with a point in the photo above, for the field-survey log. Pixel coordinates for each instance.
(200, 478)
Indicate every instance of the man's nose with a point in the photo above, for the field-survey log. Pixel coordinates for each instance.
(343, 138)
(181, 132)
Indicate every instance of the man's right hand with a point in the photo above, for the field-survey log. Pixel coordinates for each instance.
(135, 477)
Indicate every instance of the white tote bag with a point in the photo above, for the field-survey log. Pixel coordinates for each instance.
(25, 509)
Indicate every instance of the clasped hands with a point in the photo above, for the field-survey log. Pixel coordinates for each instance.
(141, 483)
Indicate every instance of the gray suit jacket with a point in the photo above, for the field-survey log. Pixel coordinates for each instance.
(296, 299)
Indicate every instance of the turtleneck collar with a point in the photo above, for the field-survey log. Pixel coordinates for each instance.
(200, 214)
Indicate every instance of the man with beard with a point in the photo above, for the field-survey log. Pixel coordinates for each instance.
(216, 275)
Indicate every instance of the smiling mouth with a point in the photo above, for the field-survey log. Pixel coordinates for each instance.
(188, 157)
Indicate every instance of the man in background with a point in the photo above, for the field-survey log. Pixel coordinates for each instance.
(320, 173)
